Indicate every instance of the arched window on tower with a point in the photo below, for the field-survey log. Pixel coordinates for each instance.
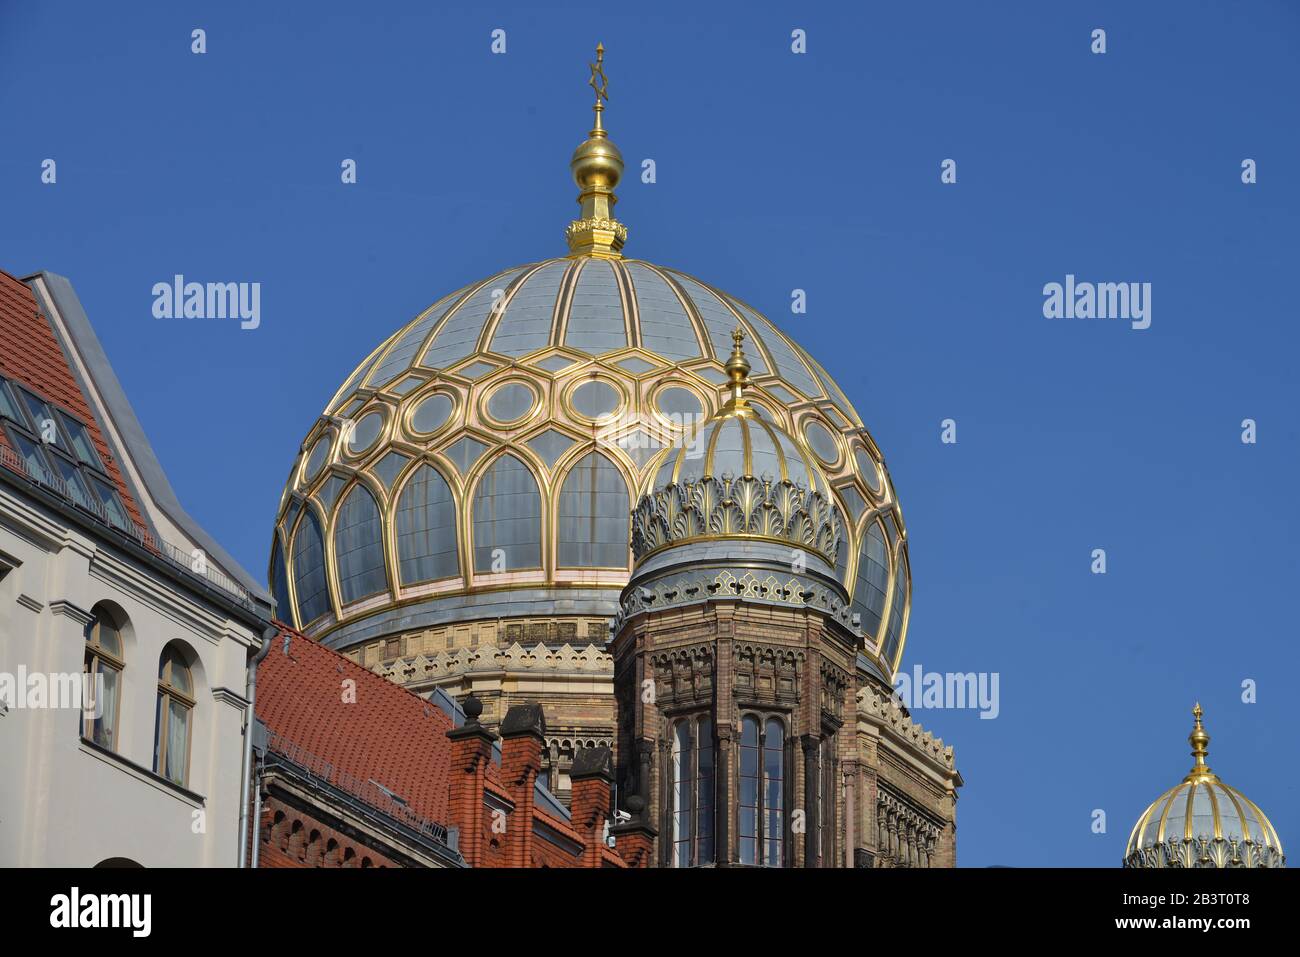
(309, 570)
(359, 547)
(761, 808)
(507, 518)
(593, 511)
(691, 789)
(426, 529)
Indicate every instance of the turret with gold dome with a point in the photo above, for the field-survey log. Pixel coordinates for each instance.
(1202, 822)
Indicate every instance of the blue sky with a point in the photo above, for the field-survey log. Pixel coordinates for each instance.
(776, 171)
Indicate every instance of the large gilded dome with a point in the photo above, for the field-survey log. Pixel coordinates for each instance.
(482, 462)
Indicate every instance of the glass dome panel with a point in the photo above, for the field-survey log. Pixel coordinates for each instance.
(595, 399)
(431, 413)
(365, 432)
(309, 569)
(359, 547)
(873, 580)
(426, 529)
(594, 526)
(511, 402)
(507, 518)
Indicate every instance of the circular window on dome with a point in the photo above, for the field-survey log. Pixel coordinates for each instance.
(511, 402)
(365, 432)
(680, 406)
(822, 442)
(315, 459)
(431, 413)
(595, 399)
(868, 469)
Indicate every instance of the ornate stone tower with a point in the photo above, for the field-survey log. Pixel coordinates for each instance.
(736, 656)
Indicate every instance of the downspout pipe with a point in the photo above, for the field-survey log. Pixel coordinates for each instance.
(268, 636)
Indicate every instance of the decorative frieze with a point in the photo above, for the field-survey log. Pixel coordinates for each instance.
(730, 507)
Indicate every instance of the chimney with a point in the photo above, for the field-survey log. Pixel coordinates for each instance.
(471, 752)
(634, 840)
(523, 733)
(589, 803)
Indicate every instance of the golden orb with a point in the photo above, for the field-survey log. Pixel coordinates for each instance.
(597, 163)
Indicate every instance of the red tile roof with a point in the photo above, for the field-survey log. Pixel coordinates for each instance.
(31, 355)
(389, 735)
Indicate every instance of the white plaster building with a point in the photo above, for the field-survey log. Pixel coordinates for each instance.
(100, 568)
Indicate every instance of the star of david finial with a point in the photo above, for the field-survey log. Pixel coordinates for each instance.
(599, 82)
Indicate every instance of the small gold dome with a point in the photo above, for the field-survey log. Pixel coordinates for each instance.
(1202, 822)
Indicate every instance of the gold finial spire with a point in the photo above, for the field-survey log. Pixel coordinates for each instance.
(601, 87)
(737, 368)
(1200, 742)
(597, 167)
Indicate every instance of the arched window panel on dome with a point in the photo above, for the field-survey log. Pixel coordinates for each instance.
(280, 582)
(526, 324)
(897, 612)
(359, 547)
(666, 329)
(507, 519)
(872, 580)
(593, 515)
(426, 529)
(401, 356)
(309, 570)
(595, 323)
(720, 322)
(455, 339)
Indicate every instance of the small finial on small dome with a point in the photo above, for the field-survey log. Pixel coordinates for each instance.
(1200, 742)
(737, 369)
(597, 167)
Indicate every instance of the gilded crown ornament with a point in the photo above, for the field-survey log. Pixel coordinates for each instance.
(597, 167)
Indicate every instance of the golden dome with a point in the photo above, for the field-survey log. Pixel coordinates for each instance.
(1202, 822)
(483, 461)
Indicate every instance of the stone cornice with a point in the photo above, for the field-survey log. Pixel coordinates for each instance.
(540, 659)
(886, 714)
